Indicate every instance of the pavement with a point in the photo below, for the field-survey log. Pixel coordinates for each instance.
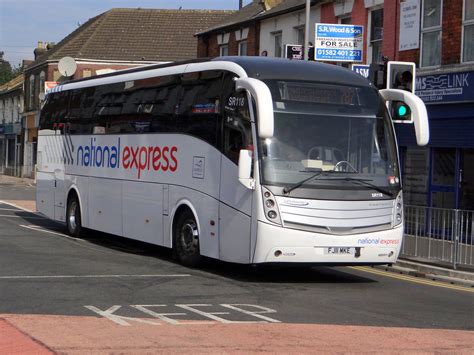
(422, 268)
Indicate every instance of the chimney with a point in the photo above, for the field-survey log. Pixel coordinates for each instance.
(269, 4)
(40, 50)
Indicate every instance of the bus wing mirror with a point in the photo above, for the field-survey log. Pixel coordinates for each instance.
(419, 115)
(245, 169)
(263, 99)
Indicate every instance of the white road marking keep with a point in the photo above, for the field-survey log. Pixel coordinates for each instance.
(250, 310)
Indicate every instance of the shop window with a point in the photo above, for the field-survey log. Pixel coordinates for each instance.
(431, 33)
(468, 31)
(415, 176)
(467, 180)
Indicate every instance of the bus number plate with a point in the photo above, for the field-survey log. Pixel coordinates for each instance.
(340, 250)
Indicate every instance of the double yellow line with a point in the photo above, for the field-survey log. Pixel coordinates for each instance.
(411, 278)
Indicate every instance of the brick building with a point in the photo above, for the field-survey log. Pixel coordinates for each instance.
(111, 41)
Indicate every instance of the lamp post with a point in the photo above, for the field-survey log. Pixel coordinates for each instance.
(306, 31)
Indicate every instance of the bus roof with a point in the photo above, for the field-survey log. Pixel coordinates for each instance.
(281, 68)
(262, 68)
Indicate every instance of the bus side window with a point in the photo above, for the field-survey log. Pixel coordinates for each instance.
(55, 110)
(199, 106)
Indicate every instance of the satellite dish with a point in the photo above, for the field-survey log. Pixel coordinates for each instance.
(67, 66)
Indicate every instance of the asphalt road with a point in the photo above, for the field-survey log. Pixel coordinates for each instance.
(44, 272)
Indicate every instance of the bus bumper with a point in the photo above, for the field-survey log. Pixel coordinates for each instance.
(284, 245)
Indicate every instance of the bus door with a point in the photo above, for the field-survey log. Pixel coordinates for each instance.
(235, 206)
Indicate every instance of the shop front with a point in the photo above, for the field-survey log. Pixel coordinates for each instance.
(442, 174)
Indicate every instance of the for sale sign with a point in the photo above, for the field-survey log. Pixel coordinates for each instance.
(339, 43)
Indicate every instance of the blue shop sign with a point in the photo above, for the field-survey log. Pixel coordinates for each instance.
(446, 88)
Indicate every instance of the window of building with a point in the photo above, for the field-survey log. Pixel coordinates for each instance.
(468, 31)
(224, 50)
(299, 35)
(243, 48)
(431, 33)
(31, 92)
(42, 79)
(86, 73)
(277, 40)
(345, 20)
(376, 35)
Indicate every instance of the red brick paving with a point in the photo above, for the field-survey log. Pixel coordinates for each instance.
(79, 335)
(13, 341)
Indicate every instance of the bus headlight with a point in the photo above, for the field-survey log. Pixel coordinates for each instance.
(398, 210)
(270, 207)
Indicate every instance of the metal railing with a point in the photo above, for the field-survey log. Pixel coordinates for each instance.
(439, 234)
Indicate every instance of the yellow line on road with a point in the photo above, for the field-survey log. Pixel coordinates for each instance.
(411, 279)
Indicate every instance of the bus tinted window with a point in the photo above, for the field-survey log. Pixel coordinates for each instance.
(55, 110)
(199, 106)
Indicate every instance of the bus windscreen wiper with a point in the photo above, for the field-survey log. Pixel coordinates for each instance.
(366, 182)
(288, 189)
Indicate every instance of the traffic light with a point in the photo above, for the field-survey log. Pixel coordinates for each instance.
(401, 76)
(377, 75)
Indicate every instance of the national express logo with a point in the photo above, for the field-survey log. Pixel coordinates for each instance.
(139, 158)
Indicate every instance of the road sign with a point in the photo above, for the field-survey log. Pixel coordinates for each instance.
(339, 43)
(295, 51)
(362, 69)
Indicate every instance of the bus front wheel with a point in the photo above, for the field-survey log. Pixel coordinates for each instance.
(73, 217)
(186, 239)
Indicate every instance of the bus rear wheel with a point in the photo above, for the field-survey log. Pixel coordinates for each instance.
(73, 217)
(186, 239)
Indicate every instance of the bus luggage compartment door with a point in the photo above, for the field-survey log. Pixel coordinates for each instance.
(45, 193)
(59, 195)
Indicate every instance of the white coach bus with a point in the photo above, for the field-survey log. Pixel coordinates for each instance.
(245, 159)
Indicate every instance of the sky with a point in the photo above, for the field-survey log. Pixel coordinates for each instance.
(25, 22)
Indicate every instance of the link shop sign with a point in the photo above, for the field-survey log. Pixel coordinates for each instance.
(339, 43)
(449, 87)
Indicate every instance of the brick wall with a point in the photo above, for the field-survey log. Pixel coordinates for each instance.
(451, 32)
(391, 23)
(208, 47)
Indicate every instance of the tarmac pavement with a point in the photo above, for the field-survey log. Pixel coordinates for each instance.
(417, 268)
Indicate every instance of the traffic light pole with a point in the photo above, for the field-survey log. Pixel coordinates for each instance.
(306, 31)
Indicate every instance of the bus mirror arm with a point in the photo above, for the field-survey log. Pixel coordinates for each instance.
(418, 112)
(264, 102)
(245, 169)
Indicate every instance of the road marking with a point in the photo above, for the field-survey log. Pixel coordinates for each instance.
(17, 206)
(41, 229)
(21, 277)
(162, 318)
(411, 279)
(24, 217)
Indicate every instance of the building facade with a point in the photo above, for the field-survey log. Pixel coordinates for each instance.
(11, 110)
